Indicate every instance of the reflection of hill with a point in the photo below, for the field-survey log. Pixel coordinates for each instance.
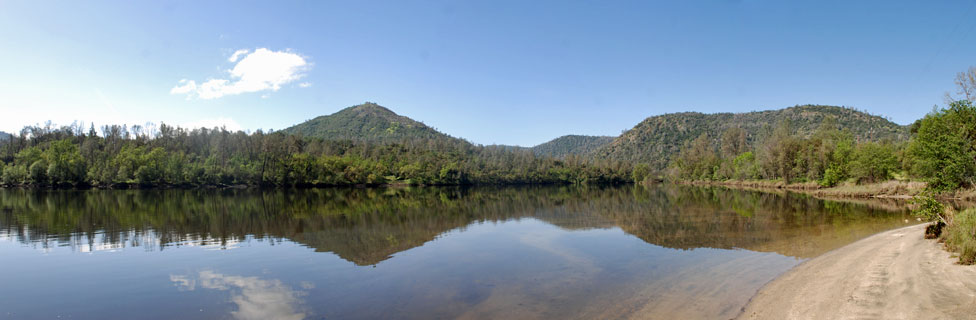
(789, 224)
(368, 226)
(369, 244)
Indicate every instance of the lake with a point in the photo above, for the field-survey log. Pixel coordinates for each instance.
(556, 252)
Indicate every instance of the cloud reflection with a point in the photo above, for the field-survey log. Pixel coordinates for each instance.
(255, 298)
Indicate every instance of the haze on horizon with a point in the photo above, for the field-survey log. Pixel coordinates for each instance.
(499, 72)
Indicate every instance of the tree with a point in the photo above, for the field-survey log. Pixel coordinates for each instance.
(697, 160)
(874, 162)
(641, 173)
(942, 150)
(745, 166)
(779, 153)
(733, 142)
(65, 164)
(965, 85)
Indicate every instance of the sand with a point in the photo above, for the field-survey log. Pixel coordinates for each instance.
(895, 274)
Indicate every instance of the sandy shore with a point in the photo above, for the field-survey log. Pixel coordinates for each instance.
(892, 275)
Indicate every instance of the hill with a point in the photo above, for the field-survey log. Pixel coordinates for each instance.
(4, 136)
(368, 121)
(571, 145)
(657, 138)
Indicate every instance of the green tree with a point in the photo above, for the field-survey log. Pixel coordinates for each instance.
(874, 162)
(697, 160)
(641, 173)
(942, 149)
(65, 164)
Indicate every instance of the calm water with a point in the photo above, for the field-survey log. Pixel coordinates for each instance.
(422, 253)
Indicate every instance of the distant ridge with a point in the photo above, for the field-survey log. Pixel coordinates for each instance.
(368, 121)
(571, 145)
(652, 141)
(656, 139)
(4, 136)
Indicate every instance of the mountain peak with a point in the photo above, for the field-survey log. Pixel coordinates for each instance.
(369, 108)
(367, 121)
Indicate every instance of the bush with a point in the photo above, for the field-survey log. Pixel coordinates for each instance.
(832, 176)
(960, 236)
(13, 174)
(38, 172)
(926, 207)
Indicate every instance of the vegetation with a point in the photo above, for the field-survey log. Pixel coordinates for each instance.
(960, 236)
(941, 152)
(828, 156)
(170, 156)
(571, 145)
(656, 140)
(928, 208)
(368, 122)
(943, 147)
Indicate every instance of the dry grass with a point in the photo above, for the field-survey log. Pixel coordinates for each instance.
(968, 195)
(887, 189)
(960, 236)
(897, 190)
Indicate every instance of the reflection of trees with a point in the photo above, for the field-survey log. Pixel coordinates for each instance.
(367, 226)
(790, 224)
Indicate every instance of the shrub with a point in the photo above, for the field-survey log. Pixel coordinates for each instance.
(960, 236)
(926, 207)
(832, 176)
(13, 174)
(38, 172)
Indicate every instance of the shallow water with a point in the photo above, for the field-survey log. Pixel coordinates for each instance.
(420, 253)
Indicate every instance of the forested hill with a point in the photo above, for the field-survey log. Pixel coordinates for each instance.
(4, 136)
(571, 145)
(656, 139)
(368, 121)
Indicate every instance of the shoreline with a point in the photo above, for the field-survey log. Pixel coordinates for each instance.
(881, 191)
(137, 186)
(896, 274)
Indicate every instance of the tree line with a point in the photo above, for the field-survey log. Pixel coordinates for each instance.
(163, 155)
(940, 151)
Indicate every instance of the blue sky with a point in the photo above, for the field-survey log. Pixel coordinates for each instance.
(507, 72)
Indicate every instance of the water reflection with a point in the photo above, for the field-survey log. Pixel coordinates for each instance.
(529, 252)
(369, 226)
(254, 297)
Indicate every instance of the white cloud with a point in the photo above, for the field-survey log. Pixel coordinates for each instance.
(255, 298)
(256, 71)
(219, 122)
(305, 84)
(237, 54)
(185, 87)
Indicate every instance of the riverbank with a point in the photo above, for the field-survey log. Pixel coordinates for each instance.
(895, 274)
(892, 189)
